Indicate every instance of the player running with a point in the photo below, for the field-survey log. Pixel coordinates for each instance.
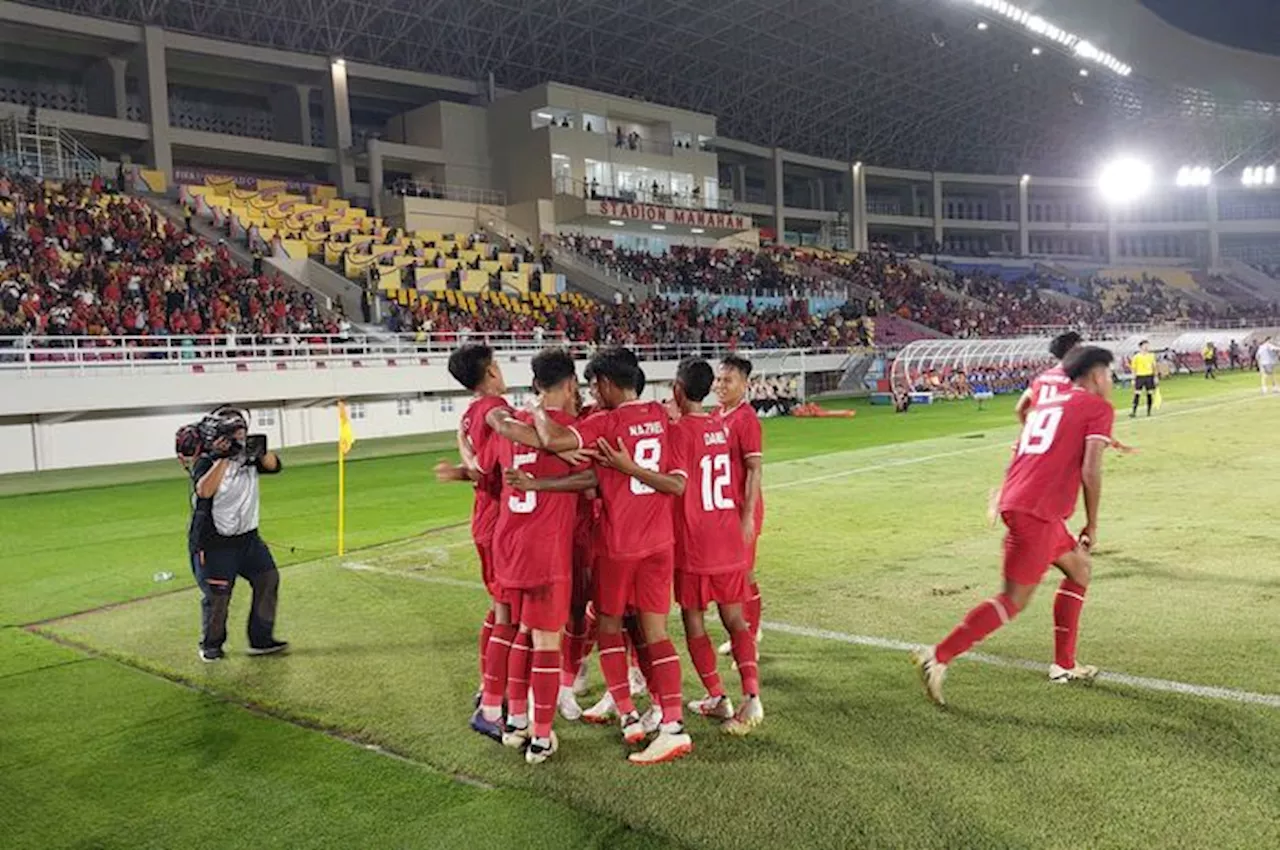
(533, 552)
(637, 563)
(746, 444)
(1060, 449)
(711, 553)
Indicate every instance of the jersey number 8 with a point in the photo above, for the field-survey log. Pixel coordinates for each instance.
(1038, 433)
(647, 455)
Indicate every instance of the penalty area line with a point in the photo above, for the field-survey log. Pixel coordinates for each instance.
(1140, 682)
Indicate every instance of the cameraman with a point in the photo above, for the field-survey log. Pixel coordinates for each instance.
(227, 473)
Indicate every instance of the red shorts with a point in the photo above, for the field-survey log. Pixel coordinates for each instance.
(1032, 545)
(545, 608)
(696, 592)
(643, 583)
(488, 572)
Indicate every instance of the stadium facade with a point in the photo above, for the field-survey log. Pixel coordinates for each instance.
(561, 157)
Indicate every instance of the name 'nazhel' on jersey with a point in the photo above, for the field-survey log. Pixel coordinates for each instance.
(636, 518)
(1044, 478)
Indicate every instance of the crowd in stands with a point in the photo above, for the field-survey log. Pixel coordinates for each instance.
(774, 395)
(884, 283)
(951, 383)
(79, 260)
(654, 322)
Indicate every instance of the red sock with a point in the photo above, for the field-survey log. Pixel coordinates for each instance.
(751, 609)
(486, 631)
(644, 660)
(1067, 605)
(571, 655)
(518, 676)
(665, 664)
(745, 656)
(613, 664)
(704, 661)
(977, 624)
(543, 676)
(495, 665)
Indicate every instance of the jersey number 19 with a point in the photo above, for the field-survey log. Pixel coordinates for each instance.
(1038, 433)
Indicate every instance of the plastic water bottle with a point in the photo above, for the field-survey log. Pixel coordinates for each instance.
(163, 576)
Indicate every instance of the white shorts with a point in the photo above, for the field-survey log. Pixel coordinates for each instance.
(1267, 370)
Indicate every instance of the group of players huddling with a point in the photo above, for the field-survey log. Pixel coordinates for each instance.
(587, 520)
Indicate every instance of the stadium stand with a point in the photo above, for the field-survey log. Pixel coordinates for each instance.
(81, 260)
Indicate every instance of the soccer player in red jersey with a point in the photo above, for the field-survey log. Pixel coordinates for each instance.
(488, 415)
(533, 552)
(747, 445)
(1052, 380)
(1060, 449)
(637, 564)
(711, 552)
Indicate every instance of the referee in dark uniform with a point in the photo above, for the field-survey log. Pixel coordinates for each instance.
(226, 475)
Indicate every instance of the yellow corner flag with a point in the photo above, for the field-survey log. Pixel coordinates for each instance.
(1157, 400)
(346, 439)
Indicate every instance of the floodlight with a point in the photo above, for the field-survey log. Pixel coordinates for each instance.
(1124, 179)
(1194, 175)
(1035, 51)
(982, 25)
(1258, 175)
(697, 230)
(658, 226)
(616, 223)
(1084, 72)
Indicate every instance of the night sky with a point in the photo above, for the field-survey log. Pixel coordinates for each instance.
(1251, 24)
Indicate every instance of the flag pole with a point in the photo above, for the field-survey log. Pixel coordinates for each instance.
(342, 500)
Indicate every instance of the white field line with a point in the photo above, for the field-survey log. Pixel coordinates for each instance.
(1140, 682)
(912, 461)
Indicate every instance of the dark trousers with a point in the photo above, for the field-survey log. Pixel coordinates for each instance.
(216, 567)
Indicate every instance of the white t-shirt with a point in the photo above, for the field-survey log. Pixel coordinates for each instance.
(1267, 354)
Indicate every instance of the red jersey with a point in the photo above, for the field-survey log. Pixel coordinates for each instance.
(636, 518)
(478, 434)
(745, 441)
(1044, 478)
(707, 518)
(533, 540)
(1052, 382)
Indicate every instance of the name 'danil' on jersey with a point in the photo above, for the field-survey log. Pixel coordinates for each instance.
(646, 429)
(715, 438)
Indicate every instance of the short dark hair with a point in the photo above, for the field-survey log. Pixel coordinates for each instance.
(1063, 343)
(1085, 359)
(695, 376)
(469, 363)
(551, 367)
(742, 364)
(1144, 342)
(619, 366)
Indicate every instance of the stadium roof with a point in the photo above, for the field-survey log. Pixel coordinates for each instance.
(954, 85)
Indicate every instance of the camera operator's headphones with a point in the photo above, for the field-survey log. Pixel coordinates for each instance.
(187, 442)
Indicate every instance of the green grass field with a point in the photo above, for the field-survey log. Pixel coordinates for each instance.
(112, 734)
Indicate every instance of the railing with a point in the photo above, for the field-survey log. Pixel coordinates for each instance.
(1121, 330)
(434, 191)
(58, 355)
(596, 191)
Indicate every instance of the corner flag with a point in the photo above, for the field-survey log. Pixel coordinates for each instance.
(346, 439)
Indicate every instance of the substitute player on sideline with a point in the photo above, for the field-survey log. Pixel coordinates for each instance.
(637, 563)
(747, 448)
(1060, 449)
(533, 552)
(711, 554)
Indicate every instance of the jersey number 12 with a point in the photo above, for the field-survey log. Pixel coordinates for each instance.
(715, 483)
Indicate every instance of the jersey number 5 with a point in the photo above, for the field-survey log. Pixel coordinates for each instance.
(647, 455)
(1038, 433)
(715, 483)
(526, 502)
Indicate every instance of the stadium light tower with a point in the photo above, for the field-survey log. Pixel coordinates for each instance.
(1124, 179)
